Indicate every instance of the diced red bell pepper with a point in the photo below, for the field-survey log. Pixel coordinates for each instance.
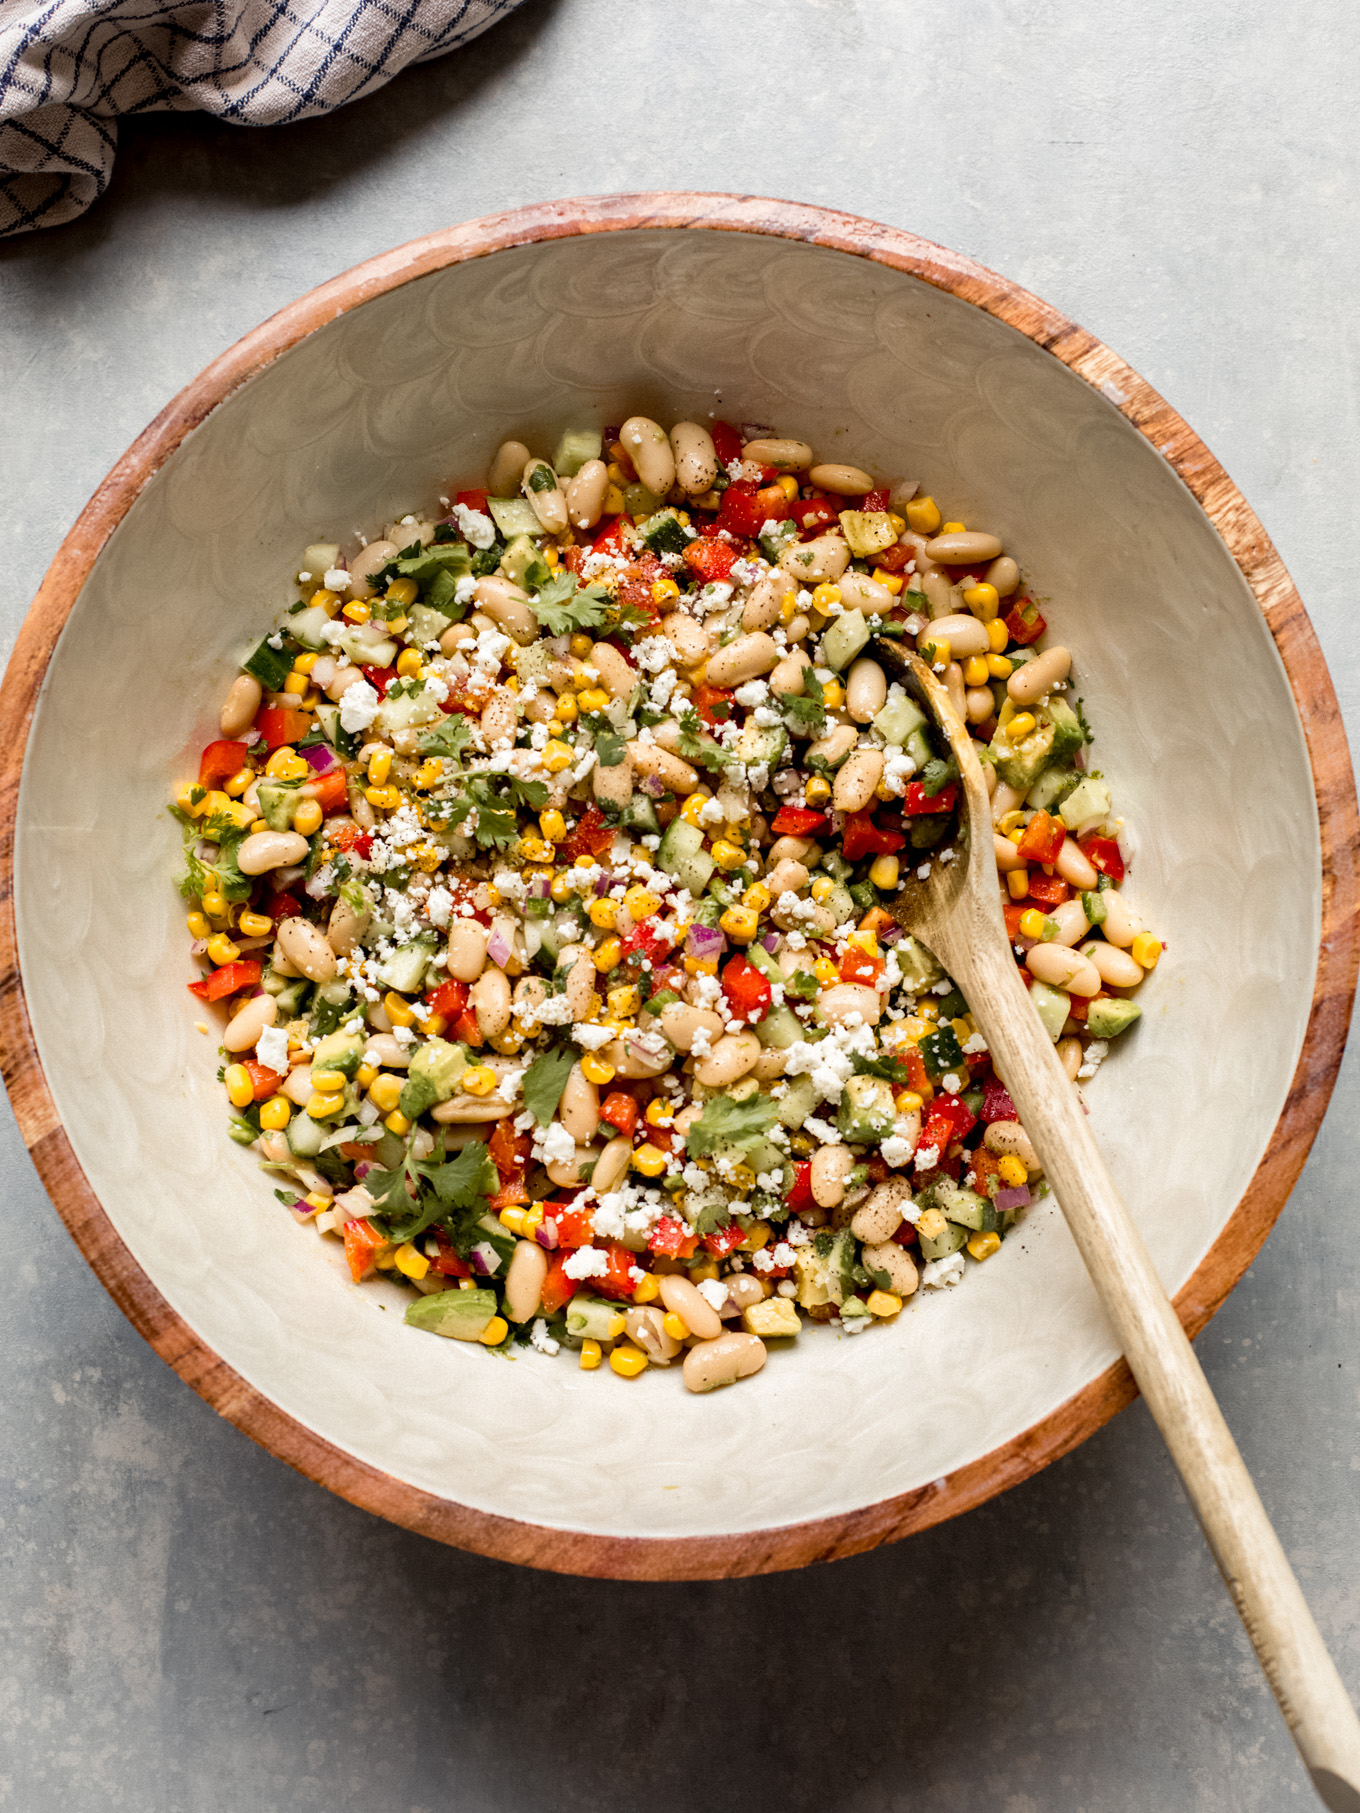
(984, 1174)
(1049, 890)
(726, 442)
(740, 512)
(862, 837)
(621, 1112)
(638, 584)
(609, 538)
(362, 1240)
(1013, 913)
(449, 999)
(725, 1240)
(877, 499)
(330, 791)
(280, 724)
(573, 1225)
(379, 678)
(617, 1281)
(892, 560)
(514, 1195)
(996, 1102)
(713, 703)
(1024, 622)
(919, 802)
(918, 1077)
(509, 1151)
(558, 1288)
(954, 1110)
(466, 1031)
(858, 966)
(266, 1081)
(450, 1265)
(746, 988)
(591, 837)
(649, 938)
(815, 513)
(1042, 839)
(282, 906)
(473, 500)
(710, 561)
(352, 840)
(229, 980)
(906, 1234)
(1079, 1006)
(798, 821)
(800, 1196)
(219, 762)
(673, 1239)
(1103, 853)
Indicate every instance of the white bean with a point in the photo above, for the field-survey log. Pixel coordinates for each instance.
(1071, 921)
(1069, 1056)
(1008, 1138)
(386, 1052)
(1121, 924)
(840, 1002)
(880, 1217)
(696, 461)
(613, 784)
(297, 1085)
(340, 681)
(540, 485)
(965, 635)
(1114, 966)
(1075, 867)
(834, 746)
(745, 659)
(963, 548)
(723, 1361)
(680, 1022)
(264, 850)
(612, 1166)
(467, 950)
(370, 560)
(240, 705)
(787, 678)
(1063, 968)
(508, 607)
(855, 782)
(1005, 799)
(244, 1028)
(648, 446)
(787, 456)
(859, 593)
(674, 773)
(580, 986)
(979, 705)
(1008, 857)
(524, 1278)
(345, 927)
(841, 481)
(786, 877)
(1003, 575)
(730, 1059)
(762, 608)
(809, 562)
(305, 947)
(831, 1165)
(500, 717)
(615, 674)
(507, 469)
(866, 690)
(586, 494)
(580, 1108)
(489, 999)
(685, 1300)
(1030, 682)
(887, 1256)
(645, 1325)
(690, 640)
(566, 1172)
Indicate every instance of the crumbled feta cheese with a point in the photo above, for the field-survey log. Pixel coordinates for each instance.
(1095, 1056)
(358, 707)
(555, 1145)
(477, 527)
(713, 1293)
(271, 1049)
(896, 1151)
(941, 1272)
(542, 1340)
(590, 1038)
(586, 1262)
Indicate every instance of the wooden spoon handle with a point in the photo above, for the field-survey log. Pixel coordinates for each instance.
(1250, 1557)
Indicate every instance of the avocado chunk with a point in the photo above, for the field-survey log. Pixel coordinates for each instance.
(867, 1111)
(1107, 1019)
(963, 1206)
(825, 1268)
(342, 1051)
(1068, 735)
(664, 533)
(460, 1315)
(279, 800)
(1051, 1005)
(433, 1076)
(844, 637)
(1020, 765)
(918, 965)
(867, 531)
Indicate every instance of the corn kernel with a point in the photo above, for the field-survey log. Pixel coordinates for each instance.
(596, 1069)
(982, 1246)
(593, 699)
(823, 887)
(658, 1112)
(892, 582)
(221, 949)
(533, 1220)
(256, 925)
(566, 710)
(365, 1075)
(295, 684)
(663, 590)
(556, 757)
(286, 765)
(238, 782)
(276, 1114)
(386, 799)
(935, 650)
(923, 515)
(824, 597)
(707, 1267)
(259, 824)
(409, 1262)
(865, 940)
(495, 1332)
(741, 923)
(909, 1101)
(757, 896)
(788, 484)
(818, 790)
(826, 971)
(999, 668)
(356, 612)
(727, 855)
(975, 671)
(379, 766)
(198, 925)
(641, 902)
(983, 601)
(409, 663)
(384, 1092)
(320, 1107)
(480, 1080)
(624, 1002)
(1013, 1170)
(191, 806)
(675, 1326)
(603, 913)
(883, 1303)
(512, 1219)
(896, 524)
(884, 872)
(692, 810)
(648, 1290)
(396, 1009)
(397, 1123)
(650, 1160)
(591, 1351)
(1145, 950)
(307, 818)
(607, 955)
(553, 826)
(953, 528)
(580, 645)
(1033, 924)
(701, 966)
(240, 1089)
(560, 886)
(403, 592)
(535, 849)
(551, 556)
(931, 1224)
(1017, 883)
(303, 664)
(628, 1361)
(327, 1082)
(435, 1025)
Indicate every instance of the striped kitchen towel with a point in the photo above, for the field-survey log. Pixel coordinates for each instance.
(68, 68)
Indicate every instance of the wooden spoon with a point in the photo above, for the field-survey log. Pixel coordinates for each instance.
(956, 912)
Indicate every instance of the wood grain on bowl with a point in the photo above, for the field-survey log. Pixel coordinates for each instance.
(792, 1544)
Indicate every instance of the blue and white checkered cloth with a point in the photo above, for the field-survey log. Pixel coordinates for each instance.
(68, 68)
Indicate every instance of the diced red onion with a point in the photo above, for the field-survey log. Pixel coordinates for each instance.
(653, 784)
(1016, 1198)
(198, 947)
(546, 1235)
(540, 889)
(498, 949)
(320, 757)
(915, 623)
(770, 942)
(604, 882)
(705, 941)
(362, 1169)
(477, 1261)
(890, 934)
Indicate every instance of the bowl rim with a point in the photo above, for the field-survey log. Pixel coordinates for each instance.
(790, 1545)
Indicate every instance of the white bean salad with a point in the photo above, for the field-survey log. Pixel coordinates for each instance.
(543, 874)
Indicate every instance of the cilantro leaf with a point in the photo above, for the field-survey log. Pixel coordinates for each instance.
(728, 1123)
(449, 737)
(609, 746)
(807, 711)
(802, 984)
(561, 606)
(891, 1069)
(544, 1081)
(463, 1181)
(713, 1218)
(696, 747)
(937, 775)
(533, 794)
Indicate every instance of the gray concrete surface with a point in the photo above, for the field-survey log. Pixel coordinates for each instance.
(186, 1626)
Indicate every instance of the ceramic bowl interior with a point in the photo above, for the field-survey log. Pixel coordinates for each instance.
(377, 411)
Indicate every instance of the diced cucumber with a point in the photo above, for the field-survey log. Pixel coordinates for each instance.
(270, 666)
(762, 743)
(404, 970)
(305, 1136)
(780, 1028)
(328, 720)
(513, 516)
(594, 1319)
(317, 561)
(867, 1110)
(1107, 1019)
(1051, 1005)
(664, 533)
(940, 1246)
(760, 958)
(798, 1101)
(576, 447)
(1093, 905)
(682, 855)
(963, 1206)
(843, 638)
(366, 646)
(406, 713)
(559, 932)
(308, 625)
(1087, 804)
(899, 717)
(919, 968)
(840, 903)
(288, 992)
(918, 747)
(524, 565)
(425, 624)
(460, 1315)
(640, 815)
(775, 537)
(1053, 785)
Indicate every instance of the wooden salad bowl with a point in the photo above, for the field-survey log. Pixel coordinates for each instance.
(364, 398)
